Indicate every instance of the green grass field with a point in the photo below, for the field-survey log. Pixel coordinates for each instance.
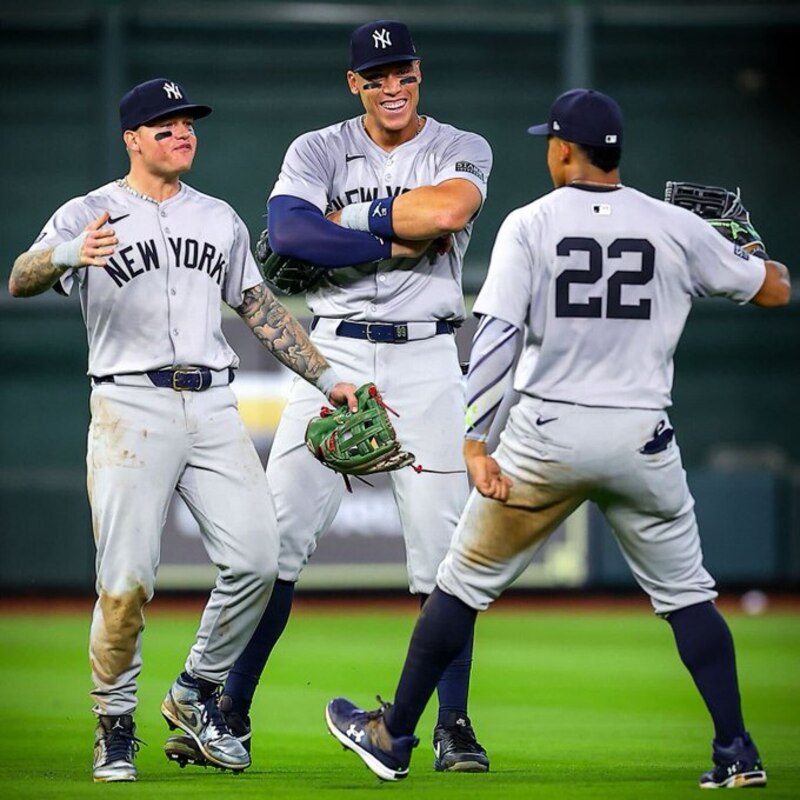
(578, 703)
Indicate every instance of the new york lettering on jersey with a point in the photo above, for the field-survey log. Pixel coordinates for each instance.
(187, 253)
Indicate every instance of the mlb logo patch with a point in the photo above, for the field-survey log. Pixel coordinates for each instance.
(601, 209)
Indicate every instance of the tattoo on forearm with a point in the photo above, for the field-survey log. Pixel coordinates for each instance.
(281, 333)
(34, 273)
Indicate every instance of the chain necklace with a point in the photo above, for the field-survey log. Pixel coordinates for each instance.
(420, 125)
(579, 182)
(123, 184)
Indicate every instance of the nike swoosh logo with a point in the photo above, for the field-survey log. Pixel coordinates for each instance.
(112, 220)
(542, 421)
(437, 749)
(348, 158)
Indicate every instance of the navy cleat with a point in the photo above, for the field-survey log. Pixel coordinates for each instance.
(456, 748)
(366, 734)
(737, 766)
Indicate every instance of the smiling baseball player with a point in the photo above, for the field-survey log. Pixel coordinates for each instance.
(599, 279)
(152, 260)
(385, 202)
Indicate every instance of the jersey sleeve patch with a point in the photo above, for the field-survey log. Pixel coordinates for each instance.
(468, 166)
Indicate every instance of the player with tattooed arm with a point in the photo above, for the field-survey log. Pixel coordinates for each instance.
(152, 259)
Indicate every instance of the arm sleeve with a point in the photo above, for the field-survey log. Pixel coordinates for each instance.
(494, 347)
(297, 228)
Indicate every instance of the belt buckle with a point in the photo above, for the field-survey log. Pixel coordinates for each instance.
(368, 332)
(181, 374)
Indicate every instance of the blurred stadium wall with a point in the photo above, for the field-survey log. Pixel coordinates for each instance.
(708, 94)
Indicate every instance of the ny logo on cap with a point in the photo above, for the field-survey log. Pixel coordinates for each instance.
(382, 38)
(173, 90)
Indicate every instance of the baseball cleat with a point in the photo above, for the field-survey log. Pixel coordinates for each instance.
(365, 733)
(456, 748)
(115, 746)
(195, 710)
(238, 724)
(737, 766)
(185, 750)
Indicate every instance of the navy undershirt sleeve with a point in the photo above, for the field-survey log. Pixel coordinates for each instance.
(299, 229)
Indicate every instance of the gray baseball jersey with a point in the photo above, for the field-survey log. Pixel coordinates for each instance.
(602, 283)
(157, 302)
(340, 165)
(420, 379)
(604, 306)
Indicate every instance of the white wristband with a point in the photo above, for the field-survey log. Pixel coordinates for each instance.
(68, 254)
(326, 381)
(355, 217)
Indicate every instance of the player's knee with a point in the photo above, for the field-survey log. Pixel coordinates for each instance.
(257, 565)
(263, 569)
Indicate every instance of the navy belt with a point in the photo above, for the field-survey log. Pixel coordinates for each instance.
(392, 332)
(181, 379)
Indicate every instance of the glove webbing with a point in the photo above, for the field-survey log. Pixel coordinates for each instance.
(326, 411)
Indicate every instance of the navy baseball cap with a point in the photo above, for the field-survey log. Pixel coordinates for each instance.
(381, 42)
(584, 116)
(153, 99)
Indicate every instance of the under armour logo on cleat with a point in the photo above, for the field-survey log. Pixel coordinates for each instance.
(358, 735)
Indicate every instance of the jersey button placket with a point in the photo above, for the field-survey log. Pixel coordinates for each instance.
(172, 291)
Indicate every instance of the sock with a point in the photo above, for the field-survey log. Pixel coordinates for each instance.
(453, 686)
(206, 688)
(246, 672)
(444, 627)
(706, 648)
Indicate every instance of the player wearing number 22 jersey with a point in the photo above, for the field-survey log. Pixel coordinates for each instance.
(597, 279)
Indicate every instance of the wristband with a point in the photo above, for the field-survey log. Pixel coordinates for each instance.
(68, 254)
(326, 381)
(380, 217)
(374, 217)
(355, 217)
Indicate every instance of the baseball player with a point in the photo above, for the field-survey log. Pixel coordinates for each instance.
(598, 278)
(152, 258)
(401, 192)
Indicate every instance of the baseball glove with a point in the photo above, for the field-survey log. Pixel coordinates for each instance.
(284, 274)
(357, 442)
(721, 208)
